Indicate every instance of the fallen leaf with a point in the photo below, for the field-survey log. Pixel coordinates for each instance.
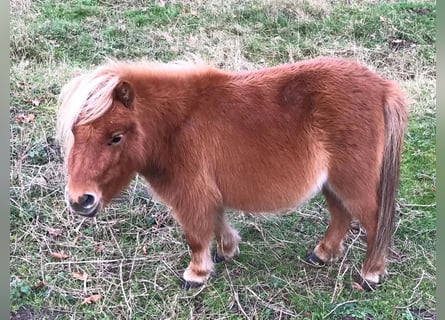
(91, 299)
(75, 240)
(59, 255)
(357, 286)
(81, 277)
(54, 232)
(52, 41)
(144, 249)
(39, 285)
(98, 248)
(24, 118)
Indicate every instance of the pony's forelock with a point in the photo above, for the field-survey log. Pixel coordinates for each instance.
(83, 100)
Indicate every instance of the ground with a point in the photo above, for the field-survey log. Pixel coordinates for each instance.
(130, 258)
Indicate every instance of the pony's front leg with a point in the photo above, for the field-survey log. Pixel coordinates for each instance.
(201, 265)
(198, 229)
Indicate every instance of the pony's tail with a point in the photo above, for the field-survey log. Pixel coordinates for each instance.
(396, 115)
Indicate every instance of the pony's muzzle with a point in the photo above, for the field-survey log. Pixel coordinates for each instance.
(86, 205)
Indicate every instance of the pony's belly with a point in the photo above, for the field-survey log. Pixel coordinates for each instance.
(275, 196)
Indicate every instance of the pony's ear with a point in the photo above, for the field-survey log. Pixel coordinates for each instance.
(124, 93)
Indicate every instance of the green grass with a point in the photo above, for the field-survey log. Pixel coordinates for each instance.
(134, 253)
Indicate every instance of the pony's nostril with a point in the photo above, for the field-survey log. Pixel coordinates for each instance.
(87, 201)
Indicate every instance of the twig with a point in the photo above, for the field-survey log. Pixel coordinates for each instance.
(235, 293)
(285, 311)
(342, 262)
(337, 306)
(123, 290)
(80, 224)
(194, 294)
(413, 292)
(419, 205)
(97, 261)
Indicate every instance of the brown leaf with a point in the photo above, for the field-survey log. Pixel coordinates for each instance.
(24, 118)
(91, 299)
(98, 248)
(75, 240)
(39, 285)
(81, 277)
(59, 255)
(54, 232)
(144, 249)
(357, 286)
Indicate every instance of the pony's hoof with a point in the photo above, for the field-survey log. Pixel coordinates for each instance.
(314, 260)
(190, 284)
(366, 285)
(217, 258)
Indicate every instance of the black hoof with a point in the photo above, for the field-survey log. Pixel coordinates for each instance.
(367, 285)
(217, 258)
(314, 260)
(190, 284)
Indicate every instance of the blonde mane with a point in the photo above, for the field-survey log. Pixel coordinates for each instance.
(87, 97)
(83, 100)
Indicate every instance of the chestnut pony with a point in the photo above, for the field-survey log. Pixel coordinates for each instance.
(261, 141)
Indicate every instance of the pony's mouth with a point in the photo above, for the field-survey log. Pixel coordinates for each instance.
(90, 213)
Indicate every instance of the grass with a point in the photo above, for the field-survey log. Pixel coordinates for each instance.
(134, 253)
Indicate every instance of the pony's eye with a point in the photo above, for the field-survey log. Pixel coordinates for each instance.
(115, 139)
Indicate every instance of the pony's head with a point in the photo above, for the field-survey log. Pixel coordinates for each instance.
(99, 131)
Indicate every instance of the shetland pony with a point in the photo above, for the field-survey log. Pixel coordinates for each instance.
(261, 141)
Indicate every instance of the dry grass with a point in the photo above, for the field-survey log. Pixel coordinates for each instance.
(134, 253)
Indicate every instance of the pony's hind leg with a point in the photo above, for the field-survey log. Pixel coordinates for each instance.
(374, 266)
(365, 210)
(360, 200)
(330, 248)
(227, 239)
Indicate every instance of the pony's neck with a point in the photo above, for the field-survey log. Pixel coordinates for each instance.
(164, 100)
(164, 103)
